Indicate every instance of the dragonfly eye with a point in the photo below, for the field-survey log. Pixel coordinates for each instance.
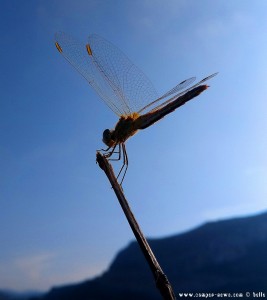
(107, 137)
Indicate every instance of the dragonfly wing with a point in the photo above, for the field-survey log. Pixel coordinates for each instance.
(180, 86)
(78, 56)
(122, 86)
(183, 92)
(131, 86)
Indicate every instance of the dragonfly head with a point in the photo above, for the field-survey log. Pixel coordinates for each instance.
(108, 137)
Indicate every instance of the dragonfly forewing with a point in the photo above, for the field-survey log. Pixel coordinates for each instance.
(122, 86)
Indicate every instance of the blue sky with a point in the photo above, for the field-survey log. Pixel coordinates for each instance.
(60, 221)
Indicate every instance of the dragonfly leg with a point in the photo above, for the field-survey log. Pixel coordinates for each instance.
(119, 152)
(104, 150)
(109, 154)
(125, 163)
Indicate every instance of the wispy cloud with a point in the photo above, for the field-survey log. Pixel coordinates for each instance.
(27, 272)
(43, 270)
(33, 267)
(234, 210)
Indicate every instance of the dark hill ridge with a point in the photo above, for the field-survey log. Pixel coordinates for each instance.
(223, 256)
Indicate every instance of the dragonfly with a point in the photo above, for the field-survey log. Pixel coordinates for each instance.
(124, 88)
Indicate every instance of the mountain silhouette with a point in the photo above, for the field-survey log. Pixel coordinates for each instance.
(228, 256)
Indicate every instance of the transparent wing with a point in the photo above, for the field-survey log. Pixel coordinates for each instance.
(132, 86)
(122, 86)
(180, 86)
(177, 95)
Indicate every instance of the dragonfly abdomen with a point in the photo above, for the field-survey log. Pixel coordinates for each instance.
(150, 118)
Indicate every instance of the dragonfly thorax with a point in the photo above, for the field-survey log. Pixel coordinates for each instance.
(125, 128)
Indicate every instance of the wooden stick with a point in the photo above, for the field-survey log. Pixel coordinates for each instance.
(161, 279)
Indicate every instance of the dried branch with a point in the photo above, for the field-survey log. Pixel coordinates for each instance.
(161, 279)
